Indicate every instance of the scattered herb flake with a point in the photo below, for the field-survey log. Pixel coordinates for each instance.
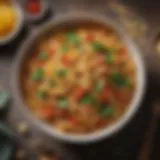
(87, 100)
(61, 73)
(43, 56)
(62, 102)
(108, 58)
(119, 80)
(51, 83)
(72, 38)
(108, 111)
(99, 86)
(98, 47)
(41, 95)
(64, 48)
(37, 74)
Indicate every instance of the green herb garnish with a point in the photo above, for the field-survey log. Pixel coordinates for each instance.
(51, 83)
(99, 86)
(37, 74)
(99, 47)
(64, 48)
(61, 73)
(72, 38)
(43, 56)
(41, 95)
(108, 111)
(119, 80)
(87, 100)
(108, 58)
(62, 102)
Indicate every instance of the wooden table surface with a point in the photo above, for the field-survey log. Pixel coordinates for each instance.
(126, 144)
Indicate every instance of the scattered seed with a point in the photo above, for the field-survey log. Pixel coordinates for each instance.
(23, 128)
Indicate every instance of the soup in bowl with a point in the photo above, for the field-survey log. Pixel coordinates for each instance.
(81, 78)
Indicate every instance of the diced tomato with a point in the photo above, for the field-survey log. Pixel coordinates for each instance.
(51, 51)
(98, 60)
(40, 63)
(104, 95)
(72, 120)
(46, 113)
(122, 50)
(59, 112)
(78, 93)
(90, 38)
(66, 61)
(121, 96)
(101, 122)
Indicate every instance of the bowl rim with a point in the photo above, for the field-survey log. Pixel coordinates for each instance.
(105, 132)
(20, 19)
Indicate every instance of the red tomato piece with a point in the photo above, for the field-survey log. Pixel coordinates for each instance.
(66, 61)
(121, 96)
(104, 95)
(90, 38)
(40, 63)
(122, 50)
(98, 60)
(78, 93)
(46, 112)
(101, 122)
(72, 120)
(51, 51)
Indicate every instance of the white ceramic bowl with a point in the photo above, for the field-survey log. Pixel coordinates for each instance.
(75, 20)
(14, 33)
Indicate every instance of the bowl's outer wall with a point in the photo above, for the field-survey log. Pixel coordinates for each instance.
(73, 20)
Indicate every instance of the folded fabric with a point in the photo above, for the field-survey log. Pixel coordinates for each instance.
(7, 144)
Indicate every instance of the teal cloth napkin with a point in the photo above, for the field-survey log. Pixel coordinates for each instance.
(7, 143)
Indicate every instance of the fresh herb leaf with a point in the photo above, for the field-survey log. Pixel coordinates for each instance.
(51, 83)
(108, 58)
(41, 95)
(107, 111)
(119, 80)
(64, 48)
(87, 100)
(62, 102)
(72, 38)
(43, 56)
(99, 86)
(37, 74)
(99, 47)
(61, 73)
